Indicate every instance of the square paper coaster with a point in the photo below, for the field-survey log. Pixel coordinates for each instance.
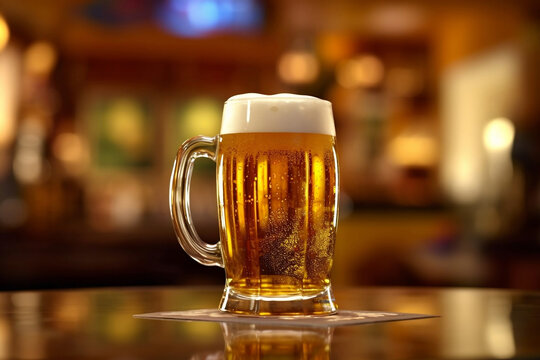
(343, 317)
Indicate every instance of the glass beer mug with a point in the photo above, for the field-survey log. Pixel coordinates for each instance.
(277, 194)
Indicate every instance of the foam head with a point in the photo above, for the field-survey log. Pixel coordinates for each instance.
(250, 113)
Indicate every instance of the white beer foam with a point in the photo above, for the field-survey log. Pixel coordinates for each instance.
(250, 113)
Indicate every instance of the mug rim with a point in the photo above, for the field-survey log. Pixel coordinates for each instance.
(288, 97)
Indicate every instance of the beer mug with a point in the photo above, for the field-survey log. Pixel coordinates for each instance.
(277, 195)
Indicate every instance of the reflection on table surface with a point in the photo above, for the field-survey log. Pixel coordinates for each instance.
(98, 324)
(243, 341)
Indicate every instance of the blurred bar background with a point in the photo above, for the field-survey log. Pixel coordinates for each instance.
(437, 113)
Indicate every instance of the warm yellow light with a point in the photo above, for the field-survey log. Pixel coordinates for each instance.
(334, 47)
(9, 95)
(499, 134)
(4, 33)
(40, 58)
(125, 125)
(70, 149)
(413, 150)
(360, 71)
(201, 116)
(298, 67)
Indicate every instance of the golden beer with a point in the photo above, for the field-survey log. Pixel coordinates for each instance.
(277, 209)
(243, 341)
(277, 189)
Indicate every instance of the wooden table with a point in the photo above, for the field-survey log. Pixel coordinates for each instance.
(98, 324)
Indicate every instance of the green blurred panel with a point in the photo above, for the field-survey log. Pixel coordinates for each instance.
(124, 132)
(193, 117)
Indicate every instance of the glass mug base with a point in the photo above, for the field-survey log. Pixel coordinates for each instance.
(319, 304)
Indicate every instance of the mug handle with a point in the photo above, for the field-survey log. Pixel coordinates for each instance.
(189, 151)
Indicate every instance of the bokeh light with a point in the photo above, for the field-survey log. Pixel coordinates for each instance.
(360, 71)
(334, 47)
(200, 116)
(298, 67)
(125, 124)
(498, 134)
(40, 58)
(413, 150)
(4, 33)
(194, 18)
(10, 83)
(27, 162)
(70, 149)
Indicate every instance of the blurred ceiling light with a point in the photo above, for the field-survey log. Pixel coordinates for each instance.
(498, 134)
(360, 71)
(404, 82)
(4, 33)
(396, 19)
(298, 67)
(40, 58)
(413, 150)
(194, 18)
(203, 13)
